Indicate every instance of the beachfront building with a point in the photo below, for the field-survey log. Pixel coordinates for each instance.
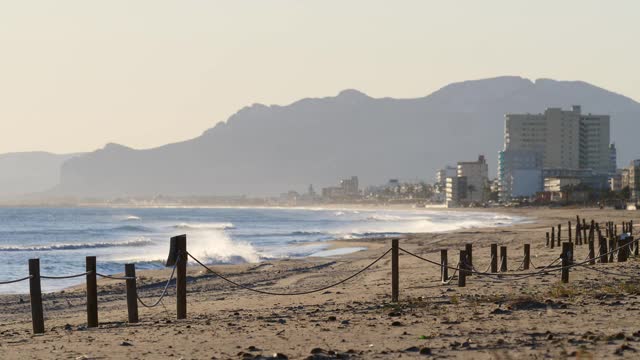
(442, 175)
(633, 179)
(350, 186)
(456, 191)
(519, 174)
(613, 159)
(563, 139)
(470, 183)
(477, 174)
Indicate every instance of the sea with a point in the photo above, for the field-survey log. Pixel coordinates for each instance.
(62, 237)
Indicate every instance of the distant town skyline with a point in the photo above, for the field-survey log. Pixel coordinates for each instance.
(77, 75)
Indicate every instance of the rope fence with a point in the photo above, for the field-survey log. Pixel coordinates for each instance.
(609, 246)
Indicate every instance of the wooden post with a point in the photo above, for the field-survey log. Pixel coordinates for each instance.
(622, 250)
(603, 249)
(559, 233)
(592, 253)
(462, 273)
(132, 296)
(503, 259)
(569, 229)
(92, 292)
(584, 230)
(444, 265)
(566, 248)
(494, 258)
(35, 294)
(631, 227)
(611, 248)
(527, 256)
(578, 232)
(553, 237)
(547, 243)
(469, 250)
(179, 243)
(636, 251)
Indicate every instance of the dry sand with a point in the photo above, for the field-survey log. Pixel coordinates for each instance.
(594, 317)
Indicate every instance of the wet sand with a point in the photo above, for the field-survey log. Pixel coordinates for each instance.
(594, 316)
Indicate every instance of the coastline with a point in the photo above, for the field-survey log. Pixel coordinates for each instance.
(434, 316)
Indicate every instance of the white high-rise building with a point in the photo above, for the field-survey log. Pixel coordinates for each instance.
(564, 139)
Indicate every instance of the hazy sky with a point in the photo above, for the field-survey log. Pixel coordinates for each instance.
(75, 75)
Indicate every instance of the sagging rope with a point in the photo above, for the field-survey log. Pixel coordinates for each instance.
(446, 282)
(16, 280)
(264, 292)
(164, 292)
(116, 277)
(65, 276)
(521, 275)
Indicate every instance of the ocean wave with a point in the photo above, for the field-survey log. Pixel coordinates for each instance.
(96, 245)
(129, 228)
(385, 217)
(131, 218)
(211, 226)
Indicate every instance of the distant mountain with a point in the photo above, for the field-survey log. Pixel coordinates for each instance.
(29, 172)
(264, 150)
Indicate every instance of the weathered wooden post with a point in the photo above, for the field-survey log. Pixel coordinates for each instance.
(469, 250)
(395, 269)
(566, 248)
(444, 265)
(547, 243)
(578, 232)
(178, 257)
(494, 258)
(553, 237)
(631, 227)
(132, 296)
(503, 259)
(636, 251)
(569, 229)
(612, 247)
(603, 249)
(527, 256)
(592, 252)
(462, 273)
(622, 250)
(92, 292)
(35, 295)
(584, 230)
(559, 233)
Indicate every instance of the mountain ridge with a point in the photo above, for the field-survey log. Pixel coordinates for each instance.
(267, 149)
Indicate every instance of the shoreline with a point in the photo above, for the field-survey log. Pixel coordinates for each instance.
(544, 318)
(329, 248)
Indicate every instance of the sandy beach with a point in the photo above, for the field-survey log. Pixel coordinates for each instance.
(593, 317)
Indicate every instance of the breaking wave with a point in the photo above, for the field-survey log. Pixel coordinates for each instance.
(97, 245)
(211, 226)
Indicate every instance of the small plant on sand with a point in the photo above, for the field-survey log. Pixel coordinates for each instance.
(560, 290)
(455, 300)
(620, 289)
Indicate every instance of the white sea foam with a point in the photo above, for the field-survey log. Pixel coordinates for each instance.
(204, 226)
(207, 245)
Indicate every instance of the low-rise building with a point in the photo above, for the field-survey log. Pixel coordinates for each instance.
(558, 184)
(477, 174)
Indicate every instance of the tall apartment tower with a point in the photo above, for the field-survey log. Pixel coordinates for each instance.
(563, 139)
